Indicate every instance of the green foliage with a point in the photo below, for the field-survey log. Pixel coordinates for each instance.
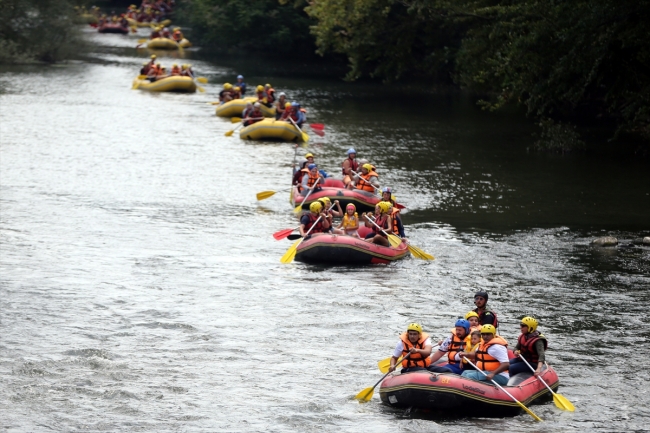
(40, 30)
(270, 26)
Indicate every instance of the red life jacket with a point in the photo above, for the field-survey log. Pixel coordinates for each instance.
(178, 36)
(318, 226)
(527, 346)
(270, 95)
(381, 221)
(481, 316)
(354, 165)
(415, 359)
(297, 178)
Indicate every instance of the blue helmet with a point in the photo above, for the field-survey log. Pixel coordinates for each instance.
(463, 324)
(240, 76)
(295, 104)
(310, 166)
(351, 150)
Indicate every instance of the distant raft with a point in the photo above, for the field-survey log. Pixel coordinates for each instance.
(332, 249)
(167, 44)
(169, 84)
(113, 28)
(135, 23)
(235, 108)
(272, 130)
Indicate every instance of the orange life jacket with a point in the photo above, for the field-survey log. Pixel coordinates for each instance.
(393, 216)
(363, 183)
(270, 95)
(485, 361)
(457, 345)
(312, 179)
(415, 359)
(527, 346)
(178, 36)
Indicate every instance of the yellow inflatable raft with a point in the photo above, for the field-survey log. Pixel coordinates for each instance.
(169, 84)
(271, 129)
(167, 44)
(133, 22)
(235, 107)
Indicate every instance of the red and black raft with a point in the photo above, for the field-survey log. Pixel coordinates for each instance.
(347, 250)
(113, 28)
(450, 394)
(334, 189)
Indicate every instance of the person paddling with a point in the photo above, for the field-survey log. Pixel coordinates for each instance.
(314, 218)
(417, 344)
(348, 165)
(453, 346)
(532, 346)
(491, 358)
(280, 105)
(485, 315)
(309, 181)
(241, 84)
(398, 227)
(225, 95)
(255, 116)
(382, 223)
(367, 180)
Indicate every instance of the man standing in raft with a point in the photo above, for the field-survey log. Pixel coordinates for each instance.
(417, 344)
(452, 346)
(315, 218)
(532, 346)
(491, 358)
(485, 315)
(350, 163)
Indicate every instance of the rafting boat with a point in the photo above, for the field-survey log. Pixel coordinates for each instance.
(364, 201)
(450, 394)
(133, 22)
(113, 28)
(271, 129)
(167, 44)
(169, 84)
(326, 248)
(235, 108)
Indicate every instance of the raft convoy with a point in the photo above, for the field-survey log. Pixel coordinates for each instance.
(374, 237)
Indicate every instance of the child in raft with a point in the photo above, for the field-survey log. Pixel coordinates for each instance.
(350, 222)
(472, 318)
(474, 343)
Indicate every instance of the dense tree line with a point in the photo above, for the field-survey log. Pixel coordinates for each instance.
(41, 30)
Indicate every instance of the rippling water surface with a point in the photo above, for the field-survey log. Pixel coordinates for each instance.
(141, 289)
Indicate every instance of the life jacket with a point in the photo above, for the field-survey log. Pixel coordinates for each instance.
(350, 222)
(312, 178)
(286, 113)
(354, 165)
(457, 345)
(318, 226)
(177, 35)
(394, 216)
(481, 316)
(363, 183)
(270, 95)
(485, 361)
(176, 70)
(155, 34)
(471, 349)
(381, 221)
(527, 346)
(415, 359)
(257, 114)
(297, 178)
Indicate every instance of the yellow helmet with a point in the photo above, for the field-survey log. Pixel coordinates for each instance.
(153, 56)
(260, 88)
(367, 167)
(384, 206)
(471, 314)
(309, 155)
(316, 207)
(530, 322)
(237, 89)
(325, 200)
(267, 85)
(488, 329)
(227, 86)
(176, 28)
(287, 105)
(174, 65)
(414, 327)
(184, 66)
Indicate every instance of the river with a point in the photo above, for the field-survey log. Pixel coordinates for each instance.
(141, 289)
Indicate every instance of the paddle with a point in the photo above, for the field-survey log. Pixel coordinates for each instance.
(318, 129)
(291, 252)
(202, 80)
(299, 207)
(560, 401)
(305, 137)
(395, 241)
(294, 237)
(266, 194)
(530, 412)
(137, 83)
(229, 133)
(279, 235)
(366, 395)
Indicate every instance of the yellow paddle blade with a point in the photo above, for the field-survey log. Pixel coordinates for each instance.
(201, 89)
(394, 240)
(291, 252)
(298, 209)
(384, 365)
(305, 137)
(202, 80)
(142, 41)
(562, 403)
(365, 395)
(229, 133)
(420, 253)
(142, 77)
(235, 119)
(530, 412)
(264, 195)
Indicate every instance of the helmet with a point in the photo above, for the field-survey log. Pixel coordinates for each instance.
(237, 88)
(311, 166)
(482, 294)
(227, 86)
(282, 94)
(174, 65)
(287, 105)
(153, 56)
(363, 161)
(185, 65)
(351, 206)
(295, 104)
(240, 76)
(351, 150)
(145, 63)
(249, 105)
(530, 322)
(267, 85)
(367, 167)
(386, 189)
(309, 155)
(488, 329)
(256, 105)
(384, 206)
(414, 327)
(463, 324)
(316, 207)
(260, 88)
(471, 314)
(325, 200)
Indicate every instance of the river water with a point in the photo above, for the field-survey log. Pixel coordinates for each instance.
(141, 289)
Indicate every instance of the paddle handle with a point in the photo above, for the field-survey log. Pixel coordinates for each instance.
(384, 377)
(375, 186)
(538, 377)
